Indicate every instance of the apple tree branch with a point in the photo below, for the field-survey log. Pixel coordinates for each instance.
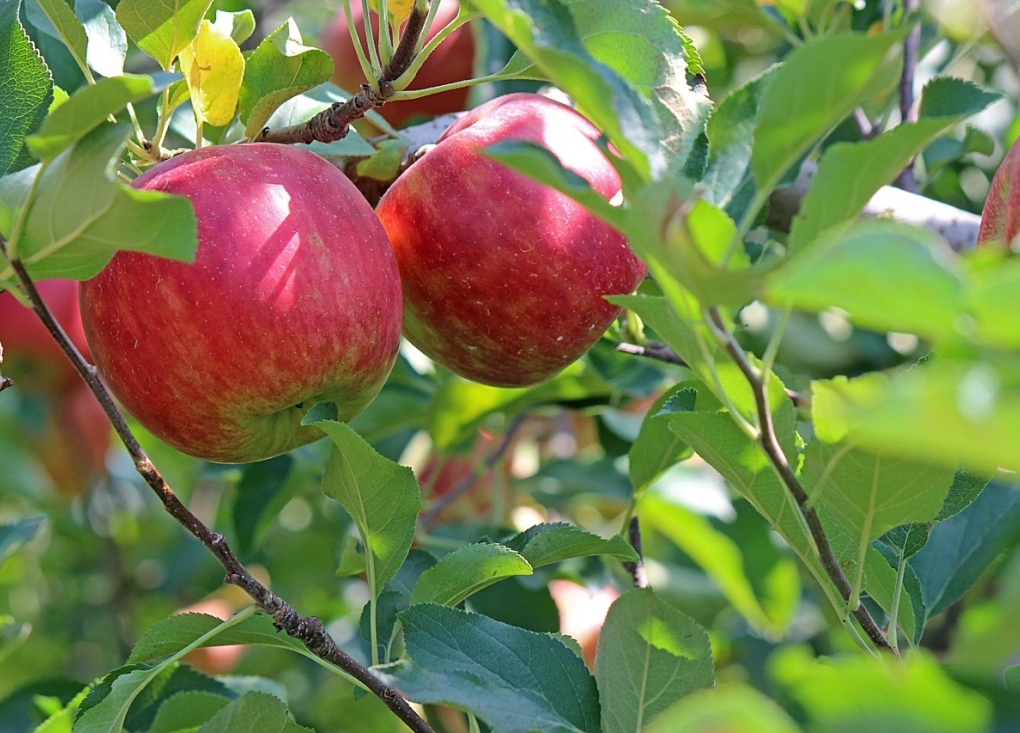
(308, 630)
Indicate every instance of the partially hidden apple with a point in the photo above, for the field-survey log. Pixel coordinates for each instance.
(294, 298)
(71, 434)
(504, 278)
(452, 61)
(1000, 218)
(32, 357)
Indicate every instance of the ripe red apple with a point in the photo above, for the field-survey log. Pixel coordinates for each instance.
(293, 298)
(504, 277)
(453, 60)
(32, 357)
(1000, 219)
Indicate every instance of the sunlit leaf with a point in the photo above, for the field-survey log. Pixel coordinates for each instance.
(650, 654)
(213, 68)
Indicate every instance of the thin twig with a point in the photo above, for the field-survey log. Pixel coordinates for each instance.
(308, 630)
(334, 123)
(468, 481)
(662, 352)
(774, 452)
(5, 382)
(636, 569)
(908, 113)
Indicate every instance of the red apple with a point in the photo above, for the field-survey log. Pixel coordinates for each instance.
(73, 441)
(504, 277)
(293, 298)
(1000, 219)
(452, 61)
(32, 357)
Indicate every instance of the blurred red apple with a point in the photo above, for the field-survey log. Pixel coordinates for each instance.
(1000, 219)
(294, 298)
(452, 61)
(73, 435)
(214, 659)
(582, 613)
(32, 357)
(504, 278)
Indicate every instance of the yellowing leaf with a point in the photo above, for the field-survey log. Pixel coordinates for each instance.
(213, 67)
(397, 10)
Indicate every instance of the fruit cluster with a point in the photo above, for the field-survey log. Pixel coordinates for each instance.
(300, 291)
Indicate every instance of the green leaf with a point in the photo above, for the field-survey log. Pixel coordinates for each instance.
(67, 28)
(850, 173)
(256, 503)
(730, 708)
(727, 180)
(864, 692)
(868, 494)
(722, 559)
(26, 87)
(186, 711)
(381, 496)
(953, 412)
(162, 28)
(256, 712)
(992, 297)
(238, 25)
(656, 448)
(517, 681)
(545, 544)
(886, 276)
(280, 67)
(650, 654)
(19, 533)
(173, 634)
(641, 41)
(686, 239)
(818, 85)
(80, 217)
(538, 163)
(545, 31)
(467, 570)
(962, 548)
(109, 715)
(87, 109)
(107, 47)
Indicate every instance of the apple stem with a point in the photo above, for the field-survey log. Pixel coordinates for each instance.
(334, 123)
(308, 630)
(777, 457)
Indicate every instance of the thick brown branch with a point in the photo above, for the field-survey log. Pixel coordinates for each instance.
(334, 123)
(309, 631)
(777, 457)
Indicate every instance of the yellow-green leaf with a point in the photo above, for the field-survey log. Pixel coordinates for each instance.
(213, 67)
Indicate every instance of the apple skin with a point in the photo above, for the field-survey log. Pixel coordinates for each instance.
(504, 277)
(452, 61)
(293, 298)
(32, 357)
(1000, 218)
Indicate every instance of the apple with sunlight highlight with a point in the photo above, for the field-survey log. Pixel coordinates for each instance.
(504, 278)
(452, 61)
(293, 298)
(1000, 218)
